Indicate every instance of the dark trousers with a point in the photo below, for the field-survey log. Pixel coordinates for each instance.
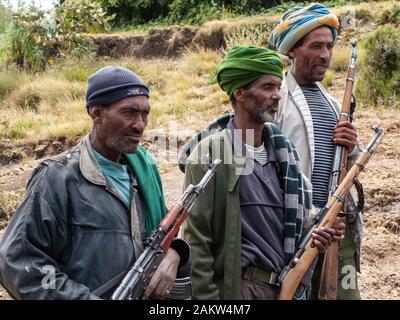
(252, 289)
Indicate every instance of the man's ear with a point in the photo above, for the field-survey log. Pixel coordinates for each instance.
(240, 94)
(291, 54)
(96, 113)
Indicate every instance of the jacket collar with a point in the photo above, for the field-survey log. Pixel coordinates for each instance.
(88, 164)
(297, 97)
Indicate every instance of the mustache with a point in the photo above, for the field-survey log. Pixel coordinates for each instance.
(274, 104)
(132, 132)
(322, 63)
(266, 107)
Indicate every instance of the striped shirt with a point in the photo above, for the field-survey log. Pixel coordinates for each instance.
(259, 154)
(324, 122)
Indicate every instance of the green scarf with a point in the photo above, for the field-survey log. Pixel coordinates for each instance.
(148, 178)
(297, 189)
(243, 65)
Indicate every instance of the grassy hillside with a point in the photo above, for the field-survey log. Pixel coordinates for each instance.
(49, 105)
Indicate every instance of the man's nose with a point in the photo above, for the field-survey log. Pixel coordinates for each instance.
(277, 95)
(139, 124)
(325, 53)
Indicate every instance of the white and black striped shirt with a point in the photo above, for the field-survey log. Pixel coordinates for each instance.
(324, 122)
(259, 154)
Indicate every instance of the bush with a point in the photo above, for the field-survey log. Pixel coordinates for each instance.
(391, 15)
(26, 39)
(183, 11)
(364, 15)
(35, 36)
(5, 18)
(136, 11)
(380, 68)
(194, 11)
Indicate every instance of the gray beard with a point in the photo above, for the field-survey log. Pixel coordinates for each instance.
(263, 117)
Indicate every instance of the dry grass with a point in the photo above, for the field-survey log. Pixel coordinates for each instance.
(51, 90)
(340, 58)
(10, 80)
(9, 200)
(328, 79)
(50, 105)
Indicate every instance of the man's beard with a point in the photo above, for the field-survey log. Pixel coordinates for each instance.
(120, 145)
(261, 114)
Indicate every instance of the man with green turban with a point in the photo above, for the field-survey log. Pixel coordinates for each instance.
(245, 64)
(245, 227)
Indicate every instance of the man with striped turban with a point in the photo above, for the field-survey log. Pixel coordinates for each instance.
(245, 227)
(308, 115)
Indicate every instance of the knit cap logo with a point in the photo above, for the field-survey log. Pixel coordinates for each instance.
(134, 92)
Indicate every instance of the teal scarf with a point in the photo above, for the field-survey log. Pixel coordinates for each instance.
(148, 178)
(297, 189)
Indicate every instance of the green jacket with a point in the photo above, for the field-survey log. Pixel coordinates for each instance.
(213, 227)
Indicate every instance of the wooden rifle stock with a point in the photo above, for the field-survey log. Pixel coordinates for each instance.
(292, 275)
(329, 274)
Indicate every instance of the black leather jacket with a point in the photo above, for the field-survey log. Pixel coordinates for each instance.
(70, 234)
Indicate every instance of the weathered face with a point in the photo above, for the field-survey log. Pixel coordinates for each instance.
(120, 126)
(311, 59)
(263, 98)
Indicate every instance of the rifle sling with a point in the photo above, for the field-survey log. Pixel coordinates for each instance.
(112, 283)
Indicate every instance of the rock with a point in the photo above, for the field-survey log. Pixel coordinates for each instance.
(57, 145)
(40, 150)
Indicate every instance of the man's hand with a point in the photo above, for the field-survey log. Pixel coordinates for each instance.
(340, 227)
(346, 135)
(322, 238)
(161, 282)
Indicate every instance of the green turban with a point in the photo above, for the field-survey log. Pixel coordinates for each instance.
(243, 65)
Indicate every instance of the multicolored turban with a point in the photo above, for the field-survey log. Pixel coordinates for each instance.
(244, 64)
(299, 21)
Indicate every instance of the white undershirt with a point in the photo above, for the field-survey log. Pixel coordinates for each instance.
(259, 154)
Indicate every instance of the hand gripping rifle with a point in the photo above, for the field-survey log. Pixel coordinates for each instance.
(136, 280)
(293, 273)
(329, 273)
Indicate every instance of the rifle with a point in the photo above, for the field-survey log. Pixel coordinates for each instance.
(329, 274)
(293, 273)
(136, 280)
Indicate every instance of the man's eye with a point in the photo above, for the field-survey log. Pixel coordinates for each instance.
(130, 112)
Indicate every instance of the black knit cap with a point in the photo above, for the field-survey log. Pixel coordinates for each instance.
(111, 84)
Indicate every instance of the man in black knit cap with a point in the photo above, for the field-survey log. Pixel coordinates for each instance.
(87, 212)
